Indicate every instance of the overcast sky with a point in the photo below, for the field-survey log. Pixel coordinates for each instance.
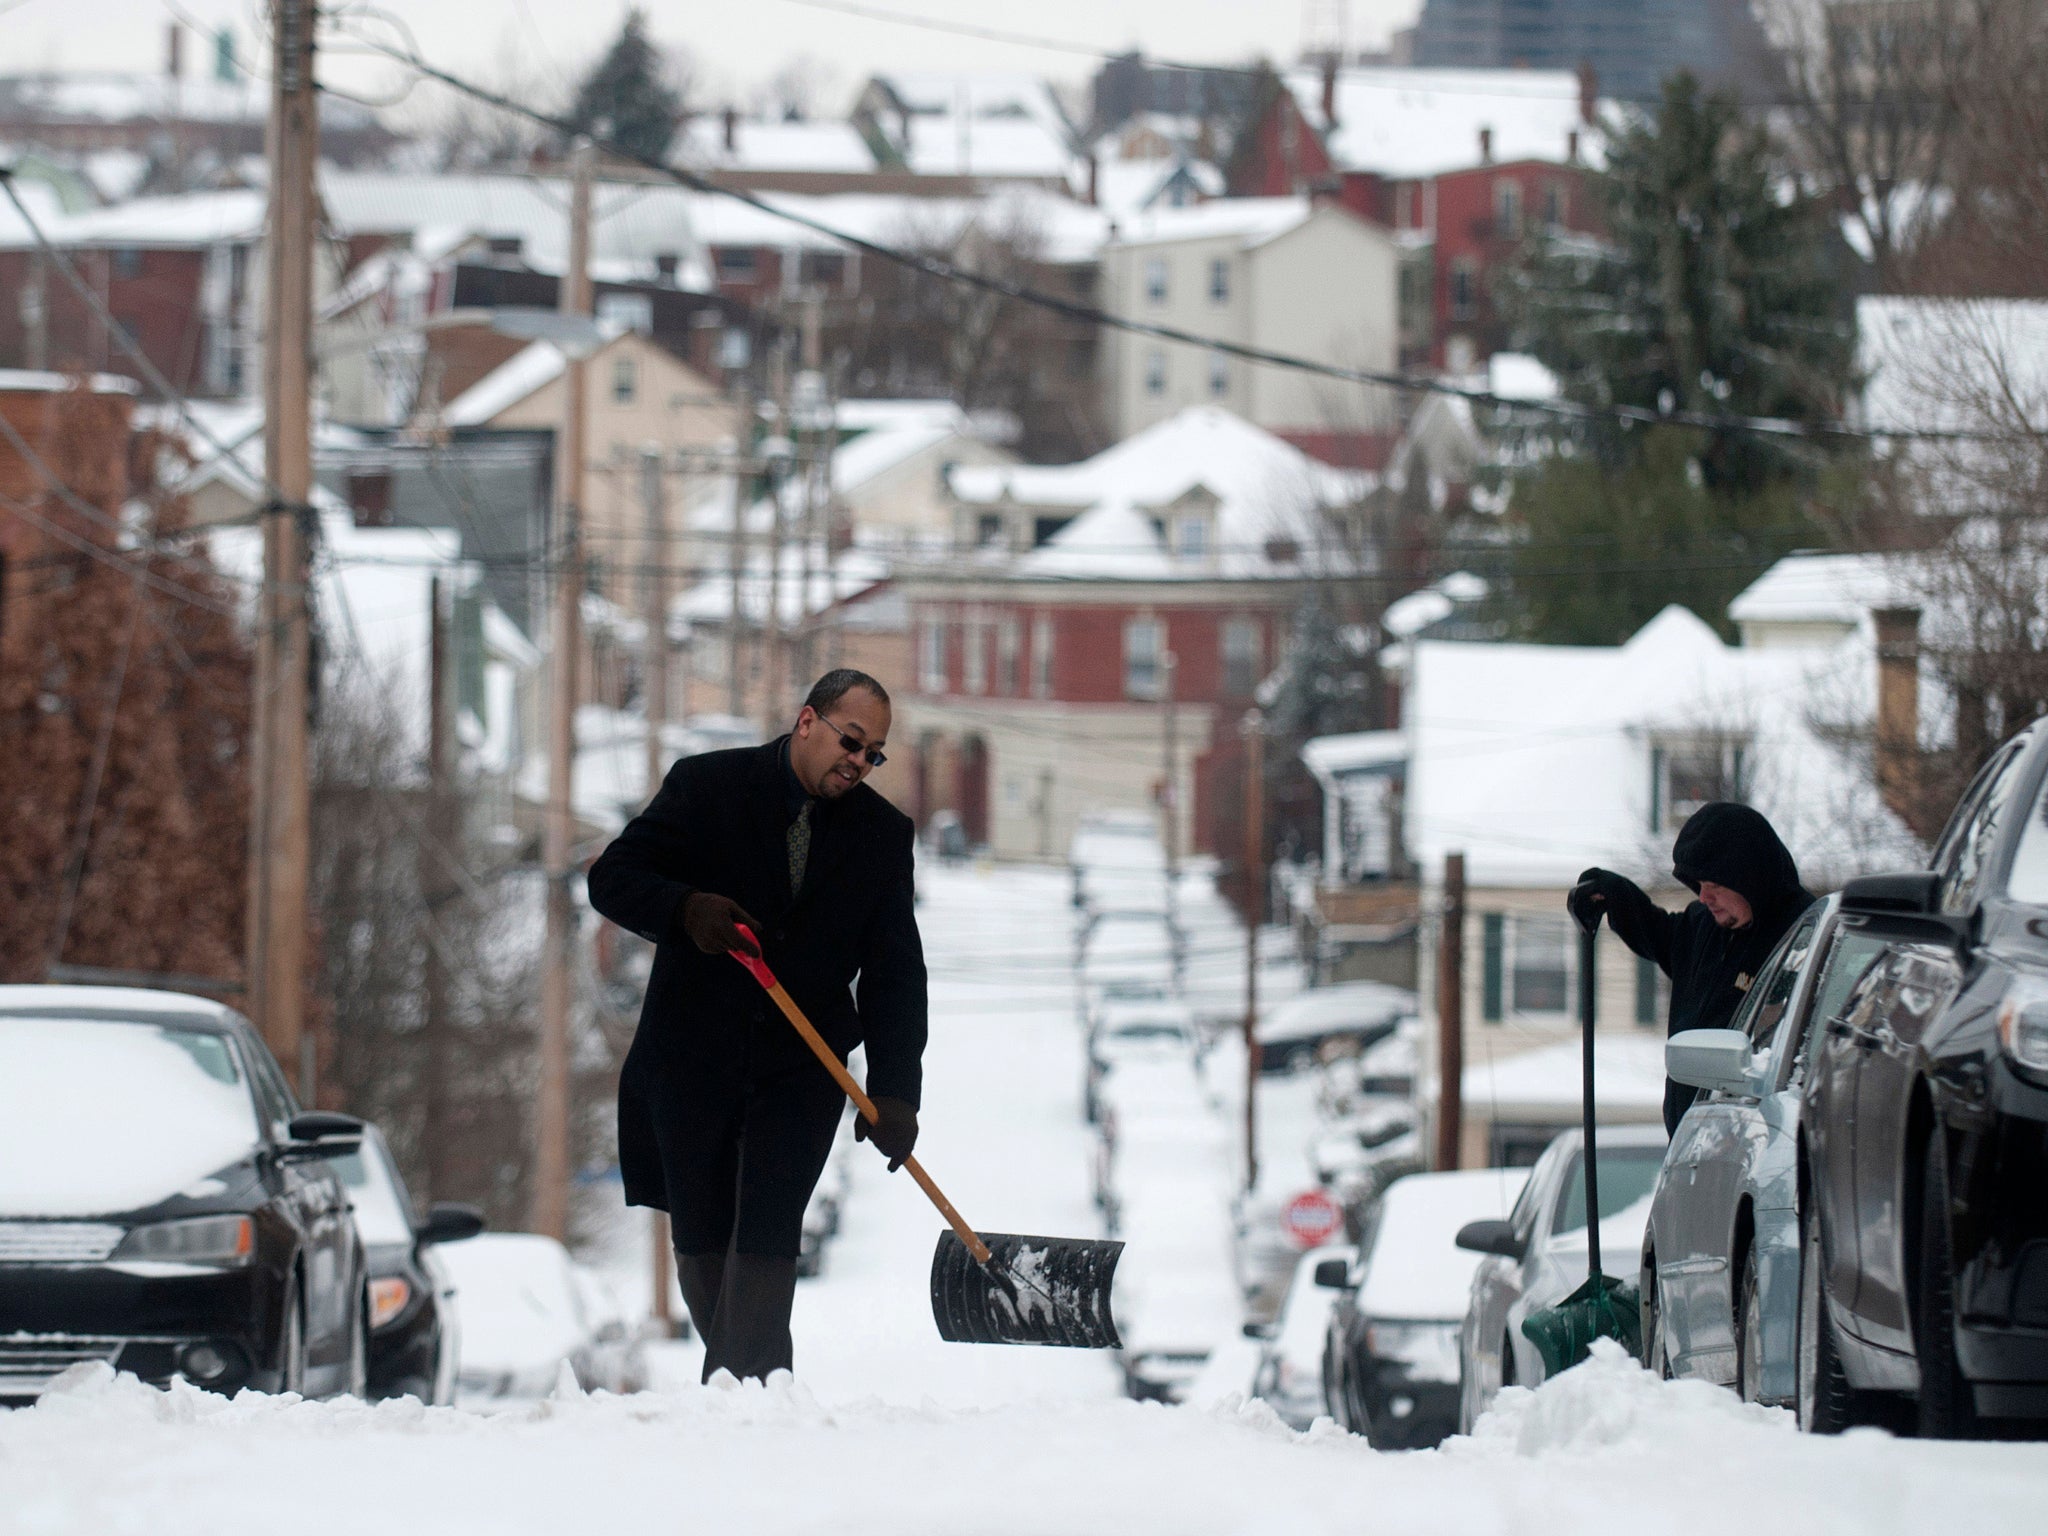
(737, 44)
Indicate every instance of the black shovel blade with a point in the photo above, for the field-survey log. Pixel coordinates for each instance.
(1033, 1290)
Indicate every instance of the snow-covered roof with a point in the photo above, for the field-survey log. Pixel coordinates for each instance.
(1251, 220)
(189, 219)
(109, 97)
(34, 381)
(834, 578)
(1534, 760)
(1824, 589)
(978, 124)
(1410, 122)
(1354, 752)
(533, 367)
(1125, 189)
(810, 144)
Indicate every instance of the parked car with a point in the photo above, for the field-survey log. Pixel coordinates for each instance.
(1537, 1256)
(1925, 1130)
(1349, 1015)
(1125, 1030)
(618, 1348)
(524, 1316)
(414, 1325)
(1290, 1370)
(1118, 864)
(1129, 949)
(1390, 1355)
(1720, 1261)
(164, 1204)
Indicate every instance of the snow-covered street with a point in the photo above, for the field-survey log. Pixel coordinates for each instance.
(888, 1428)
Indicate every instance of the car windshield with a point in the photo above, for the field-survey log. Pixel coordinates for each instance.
(102, 1116)
(1146, 1029)
(380, 1216)
(2029, 879)
(1627, 1174)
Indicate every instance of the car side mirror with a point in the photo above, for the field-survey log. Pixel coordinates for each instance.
(1333, 1274)
(1906, 903)
(321, 1133)
(449, 1222)
(1714, 1059)
(1259, 1331)
(1496, 1237)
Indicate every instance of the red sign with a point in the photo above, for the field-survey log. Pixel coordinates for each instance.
(1312, 1218)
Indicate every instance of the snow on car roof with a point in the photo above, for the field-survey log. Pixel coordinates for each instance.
(1416, 1270)
(518, 1300)
(1348, 1004)
(44, 998)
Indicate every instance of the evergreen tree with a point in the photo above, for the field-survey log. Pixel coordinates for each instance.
(626, 98)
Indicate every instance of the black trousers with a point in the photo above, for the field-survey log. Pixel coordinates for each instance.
(740, 1168)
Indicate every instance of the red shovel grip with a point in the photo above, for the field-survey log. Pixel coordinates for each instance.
(756, 966)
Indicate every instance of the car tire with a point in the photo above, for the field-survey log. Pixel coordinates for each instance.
(1749, 1333)
(1656, 1343)
(291, 1349)
(1825, 1402)
(1946, 1409)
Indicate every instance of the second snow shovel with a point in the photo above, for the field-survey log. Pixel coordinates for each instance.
(994, 1288)
(1604, 1307)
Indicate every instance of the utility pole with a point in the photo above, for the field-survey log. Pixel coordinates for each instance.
(1450, 1018)
(810, 402)
(736, 556)
(1169, 786)
(1254, 913)
(655, 689)
(551, 1170)
(437, 888)
(281, 801)
(775, 655)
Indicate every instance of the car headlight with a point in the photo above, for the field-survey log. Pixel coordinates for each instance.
(2023, 1022)
(387, 1299)
(195, 1240)
(1428, 1350)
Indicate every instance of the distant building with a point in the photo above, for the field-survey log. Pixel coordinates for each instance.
(1631, 45)
(984, 126)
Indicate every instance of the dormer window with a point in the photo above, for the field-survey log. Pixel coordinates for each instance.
(1687, 772)
(1191, 536)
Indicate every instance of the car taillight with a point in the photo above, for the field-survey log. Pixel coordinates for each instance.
(387, 1299)
(2023, 1022)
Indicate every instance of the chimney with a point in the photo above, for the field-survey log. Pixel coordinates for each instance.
(1897, 739)
(174, 51)
(1589, 93)
(1571, 146)
(731, 119)
(1329, 91)
(1486, 146)
(1094, 178)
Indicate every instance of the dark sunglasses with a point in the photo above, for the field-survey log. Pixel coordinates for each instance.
(874, 757)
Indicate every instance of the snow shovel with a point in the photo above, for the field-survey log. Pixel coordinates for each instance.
(1602, 1308)
(1000, 1288)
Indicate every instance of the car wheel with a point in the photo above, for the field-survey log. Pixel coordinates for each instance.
(1656, 1343)
(1749, 1333)
(1946, 1409)
(291, 1350)
(1826, 1403)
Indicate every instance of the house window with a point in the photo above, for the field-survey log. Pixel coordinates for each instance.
(1219, 280)
(988, 528)
(736, 263)
(1155, 372)
(931, 656)
(1008, 643)
(1553, 205)
(625, 380)
(1507, 208)
(127, 262)
(825, 268)
(1219, 374)
(1041, 657)
(1155, 279)
(1688, 773)
(1144, 646)
(1191, 536)
(1464, 288)
(976, 680)
(1652, 993)
(1241, 658)
(1525, 965)
(627, 311)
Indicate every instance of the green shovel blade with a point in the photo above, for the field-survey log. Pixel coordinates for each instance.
(1602, 1308)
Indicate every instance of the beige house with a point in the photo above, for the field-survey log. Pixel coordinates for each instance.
(1278, 273)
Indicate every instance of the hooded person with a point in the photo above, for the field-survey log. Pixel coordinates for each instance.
(1749, 896)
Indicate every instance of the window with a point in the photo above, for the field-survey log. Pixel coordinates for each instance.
(976, 666)
(1041, 657)
(1144, 646)
(1008, 641)
(1464, 288)
(1219, 374)
(1191, 536)
(1525, 965)
(825, 268)
(931, 656)
(1219, 280)
(1241, 658)
(1553, 204)
(736, 262)
(127, 261)
(1155, 372)
(988, 529)
(2028, 880)
(1155, 279)
(1688, 773)
(1849, 961)
(1507, 208)
(1966, 845)
(625, 380)
(628, 311)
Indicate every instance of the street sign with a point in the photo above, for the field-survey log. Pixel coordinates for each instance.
(1312, 1218)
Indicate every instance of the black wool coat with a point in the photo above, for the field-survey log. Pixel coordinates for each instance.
(845, 947)
(1711, 967)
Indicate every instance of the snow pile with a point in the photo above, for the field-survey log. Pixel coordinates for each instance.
(1612, 1403)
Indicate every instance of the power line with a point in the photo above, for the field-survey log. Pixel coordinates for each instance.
(946, 271)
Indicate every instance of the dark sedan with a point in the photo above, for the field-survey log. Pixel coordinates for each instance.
(1924, 1135)
(165, 1207)
(413, 1318)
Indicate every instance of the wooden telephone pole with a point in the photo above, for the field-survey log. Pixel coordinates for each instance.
(1254, 914)
(281, 798)
(655, 689)
(551, 1163)
(1450, 1018)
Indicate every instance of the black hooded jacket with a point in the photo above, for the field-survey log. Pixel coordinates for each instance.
(1710, 966)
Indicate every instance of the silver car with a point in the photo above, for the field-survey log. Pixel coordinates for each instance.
(1537, 1257)
(1720, 1266)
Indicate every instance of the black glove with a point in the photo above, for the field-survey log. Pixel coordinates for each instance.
(709, 921)
(894, 1132)
(1589, 898)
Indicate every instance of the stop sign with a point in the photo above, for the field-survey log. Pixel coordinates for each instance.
(1312, 1218)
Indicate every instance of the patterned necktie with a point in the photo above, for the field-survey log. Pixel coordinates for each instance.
(799, 847)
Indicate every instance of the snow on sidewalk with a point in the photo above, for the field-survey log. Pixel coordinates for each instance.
(1603, 1448)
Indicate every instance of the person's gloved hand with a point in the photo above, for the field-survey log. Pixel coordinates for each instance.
(1589, 898)
(709, 922)
(894, 1132)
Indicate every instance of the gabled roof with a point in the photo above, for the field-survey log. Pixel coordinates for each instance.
(1249, 220)
(533, 368)
(1409, 122)
(189, 219)
(979, 124)
(812, 144)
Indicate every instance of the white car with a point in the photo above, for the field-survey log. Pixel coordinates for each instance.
(1537, 1256)
(1129, 949)
(1131, 1030)
(1290, 1373)
(525, 1314)
(1348, 1015)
